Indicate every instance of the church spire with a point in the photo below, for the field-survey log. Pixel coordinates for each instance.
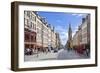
(69, 42)
(69, 25)
(70, 32)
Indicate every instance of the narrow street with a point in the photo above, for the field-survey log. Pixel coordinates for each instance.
(49, 40)
(41, 56)
(60, 55)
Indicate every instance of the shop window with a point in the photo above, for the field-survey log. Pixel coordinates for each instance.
(27, 38)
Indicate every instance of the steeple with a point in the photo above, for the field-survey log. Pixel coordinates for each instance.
(69, 25)
(69, 32)
(69, 41)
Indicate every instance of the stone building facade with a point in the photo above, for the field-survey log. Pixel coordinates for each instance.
(29, 30)
(38, 33)
(82, 36)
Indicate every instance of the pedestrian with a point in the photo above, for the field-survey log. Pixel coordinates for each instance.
(46, 50)
(87, 52)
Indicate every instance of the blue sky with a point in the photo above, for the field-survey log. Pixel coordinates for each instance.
(61, 21)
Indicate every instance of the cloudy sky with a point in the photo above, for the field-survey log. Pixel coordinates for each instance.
(61, 22)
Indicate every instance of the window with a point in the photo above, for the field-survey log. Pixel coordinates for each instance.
(31, 25)
(33, 38)
(25, 21)
(33, 18)
(28, 23)
(27, 37)
(30, 16)
(28, 13)
(35, 26)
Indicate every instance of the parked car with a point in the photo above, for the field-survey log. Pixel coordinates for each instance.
(55, 50)
(28, 51)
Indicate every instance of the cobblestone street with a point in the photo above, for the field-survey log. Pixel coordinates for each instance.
(60, 55)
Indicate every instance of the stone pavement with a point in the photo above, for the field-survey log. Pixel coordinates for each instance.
(60, 55)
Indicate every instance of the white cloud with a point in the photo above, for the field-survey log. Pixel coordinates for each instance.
(64, 37)
(74, 14)
(74, 30)
(73, 34)
(78, 15)
(63, 34)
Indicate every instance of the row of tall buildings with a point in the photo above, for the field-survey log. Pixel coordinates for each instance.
(82, 36)
(38, 33)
